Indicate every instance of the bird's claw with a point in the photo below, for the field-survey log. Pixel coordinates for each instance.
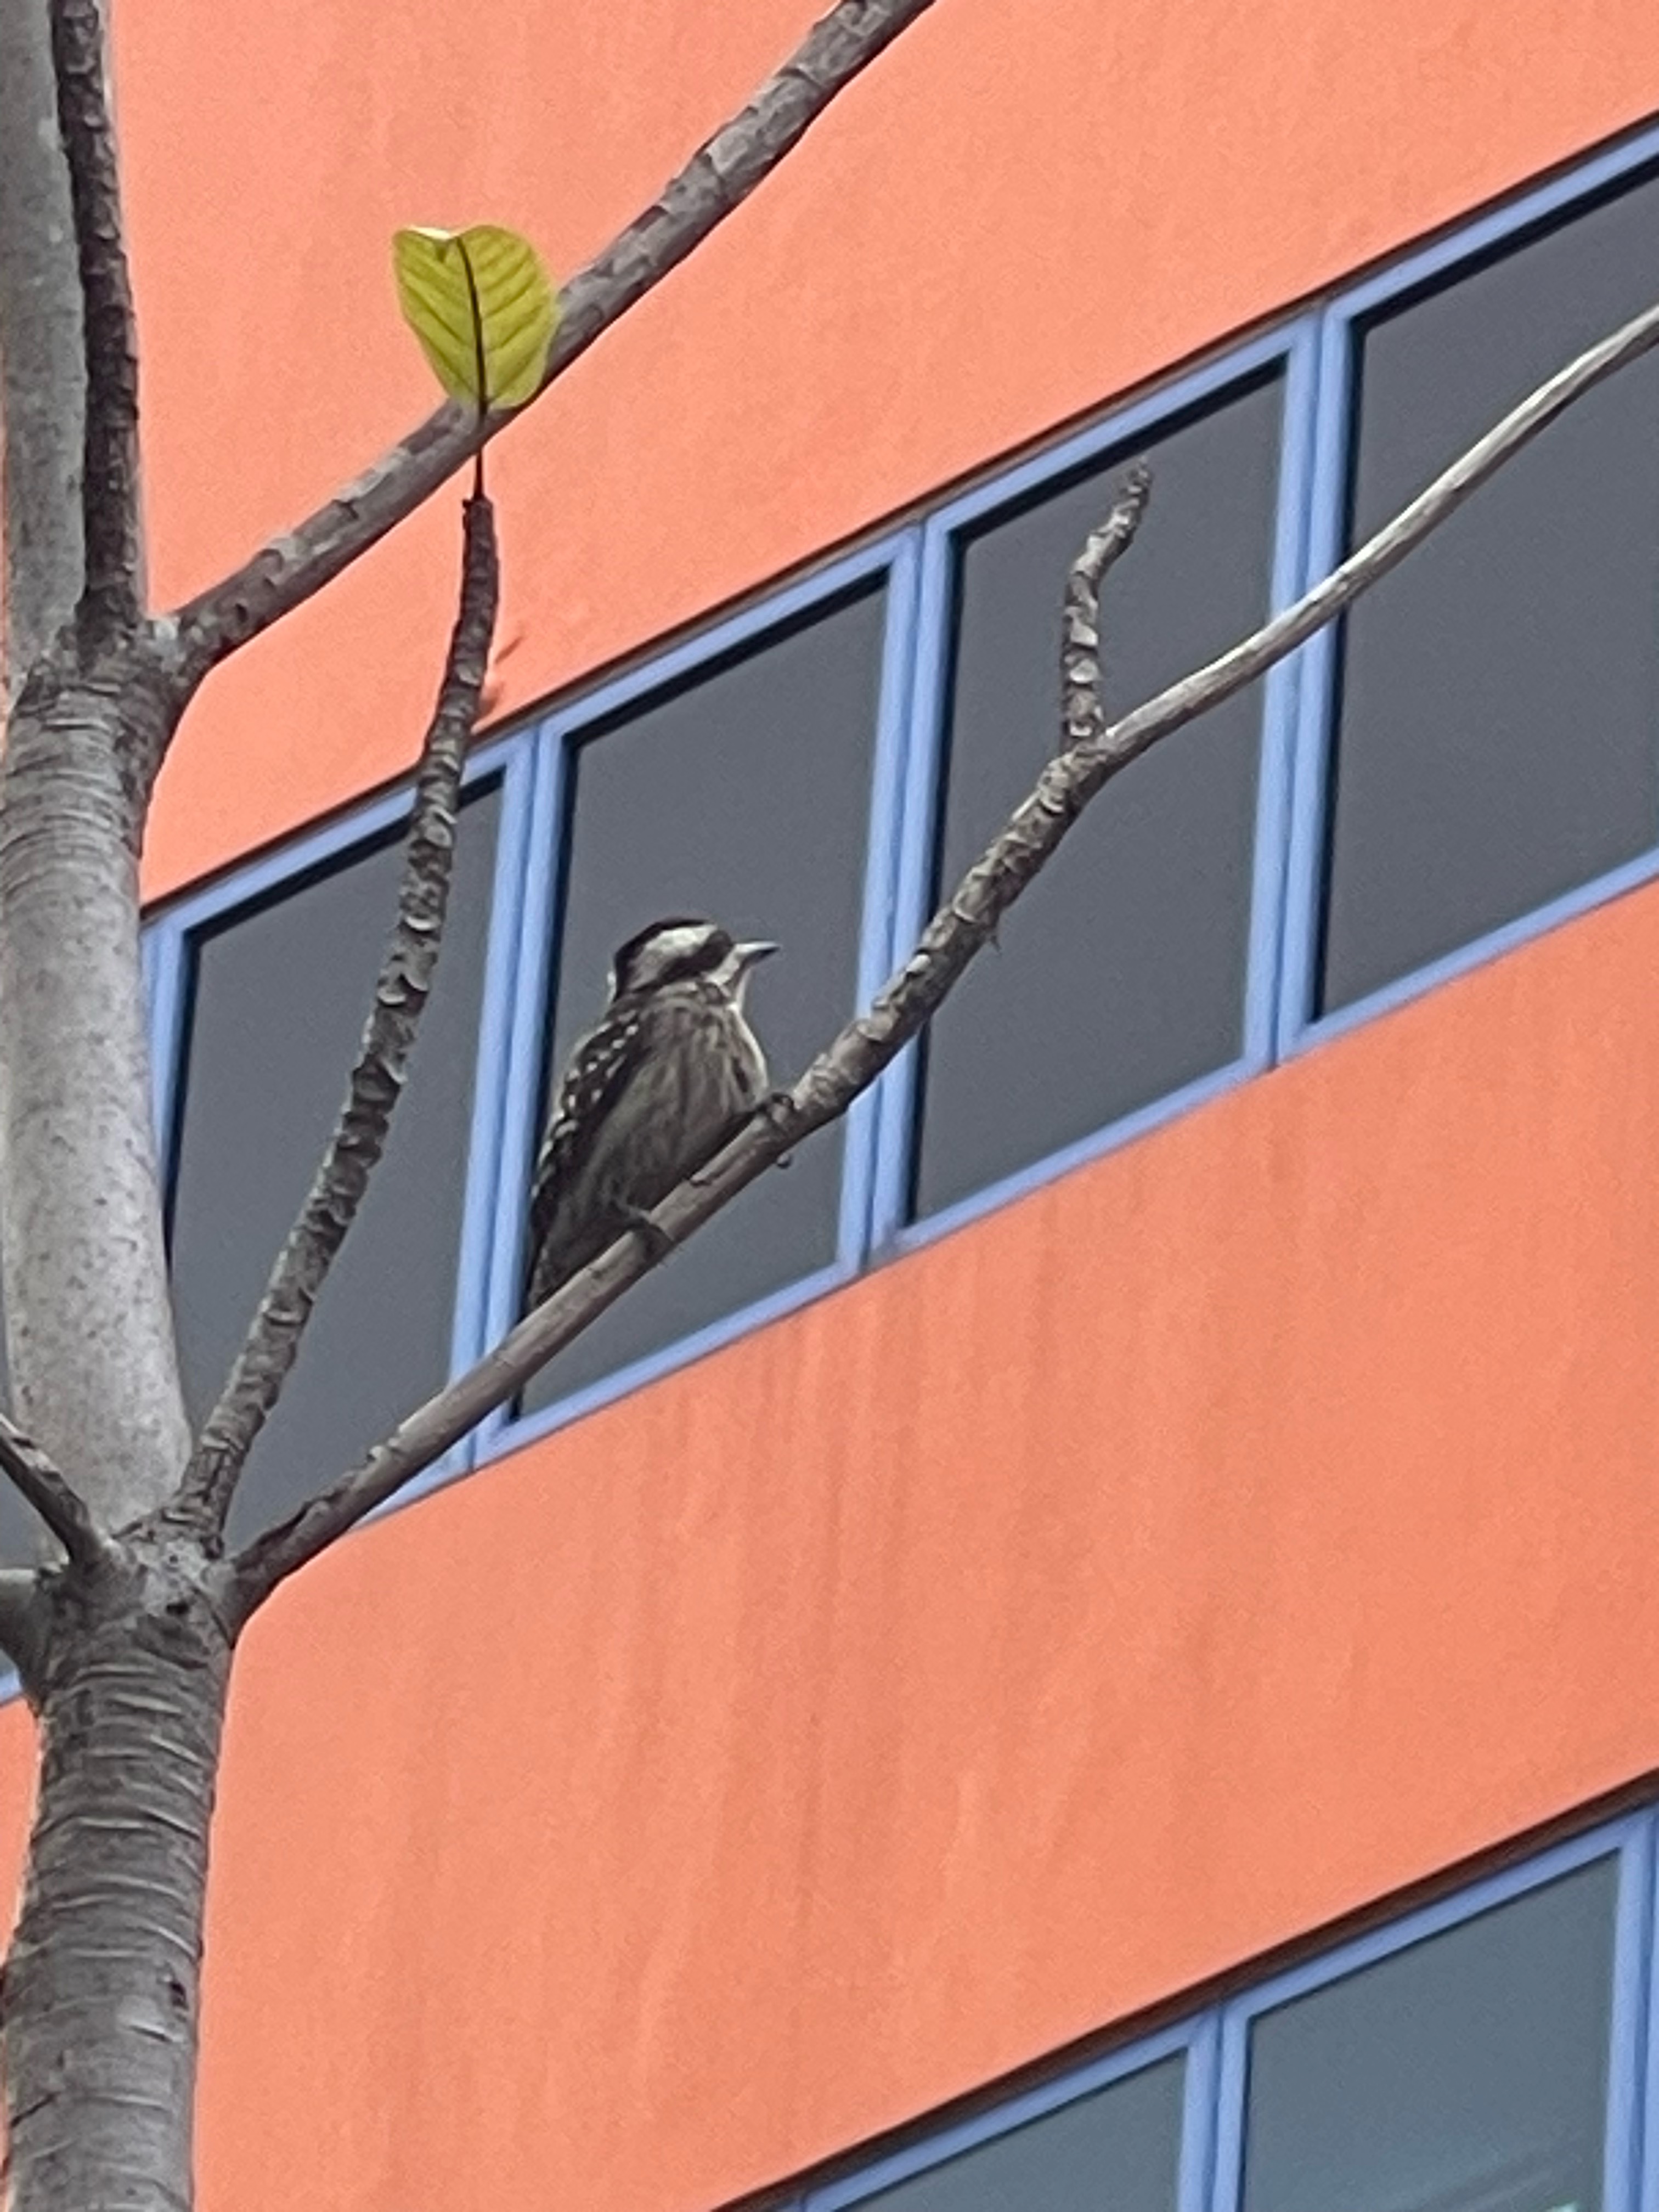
(655, 1238)
(778, 1107)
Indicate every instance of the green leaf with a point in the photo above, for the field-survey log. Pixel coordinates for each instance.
(509, 311)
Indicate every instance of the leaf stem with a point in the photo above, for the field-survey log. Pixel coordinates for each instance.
(482, 364)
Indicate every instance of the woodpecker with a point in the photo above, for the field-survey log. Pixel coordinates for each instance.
(670, 1071)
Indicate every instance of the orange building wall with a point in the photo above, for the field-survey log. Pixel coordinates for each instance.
(1241, 1527)
(1021, 210)
(1220, 1538)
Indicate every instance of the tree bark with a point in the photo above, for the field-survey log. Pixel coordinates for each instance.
(402, 989)
(102, 1993)
(89, 1327)
(42, 376)
(716, 180)
(108, 607)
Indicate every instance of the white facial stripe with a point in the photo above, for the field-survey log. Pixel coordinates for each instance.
(662, 951)
(674, 944)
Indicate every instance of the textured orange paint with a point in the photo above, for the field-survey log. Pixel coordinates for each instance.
(1019, 212)
(17, 1793)
(1248, 1525)
(1240, 1528)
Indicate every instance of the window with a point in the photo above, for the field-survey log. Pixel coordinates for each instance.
(1116, 2149)
(1486, 2054)
(1467, 2073)
(1123, 978)
(278, 991)
(743, 792)
(1497, 731)
(1482, 738)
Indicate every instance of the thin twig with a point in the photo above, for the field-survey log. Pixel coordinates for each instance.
(414, 1445)
(40, 1483)
(109, 604)
(401, 992)
(1083, 706)
(720, 176)
(908, 1001)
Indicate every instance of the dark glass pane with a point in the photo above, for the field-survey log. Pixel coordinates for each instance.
(743, 795)
(1466, 2074)
(1500, 690)
(1117, 2150)
(21, 1537)
(1121, 977)
(279, 1000)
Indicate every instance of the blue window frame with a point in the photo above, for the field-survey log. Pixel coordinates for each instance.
(1470, 250)
(1288, 357)
(171, 948)
(1315, 361)
(978, 2162)
(889, 568)
(1627, 1851)
(1600, 1887)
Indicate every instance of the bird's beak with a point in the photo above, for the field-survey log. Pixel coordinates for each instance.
(749, 956)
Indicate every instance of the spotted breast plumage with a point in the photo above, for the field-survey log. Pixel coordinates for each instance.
(651, 1093)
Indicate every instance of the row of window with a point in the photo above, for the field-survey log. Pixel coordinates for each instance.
(1475, 746)
(1484, 2056)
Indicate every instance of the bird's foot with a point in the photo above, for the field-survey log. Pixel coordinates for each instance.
(656, 1239)
(778, 1107)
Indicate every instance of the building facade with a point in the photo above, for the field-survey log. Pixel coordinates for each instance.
(1091, 1644)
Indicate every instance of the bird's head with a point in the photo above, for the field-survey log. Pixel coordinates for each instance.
(678, 950)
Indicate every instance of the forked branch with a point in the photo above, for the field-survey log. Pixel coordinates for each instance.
(401, 991)
(1082, 702)
(109, 605)
(720, 176)
(904, 1005)
(414, 1445)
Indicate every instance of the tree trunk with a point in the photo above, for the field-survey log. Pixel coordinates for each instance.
(102, 1987)
(94, 1371)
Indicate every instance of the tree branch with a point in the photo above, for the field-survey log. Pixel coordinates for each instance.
(40, 360)
(39, 1482)
(401, 991)
(1083, 709)
(720, 176)
(908, 1001)
(109, 604)
(429, 1432)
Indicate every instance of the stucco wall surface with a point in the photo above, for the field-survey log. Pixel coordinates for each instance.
(1019, 212)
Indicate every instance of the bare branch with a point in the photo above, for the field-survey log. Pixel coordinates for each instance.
(1083, 708)
(720, 176)
(39, 1482)
(430, 1431)
(401, 991)
(109, 478)
(1206, 687)
(39, 348)
(905, 1004)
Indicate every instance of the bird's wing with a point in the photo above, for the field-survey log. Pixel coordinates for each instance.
(595, 1076)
